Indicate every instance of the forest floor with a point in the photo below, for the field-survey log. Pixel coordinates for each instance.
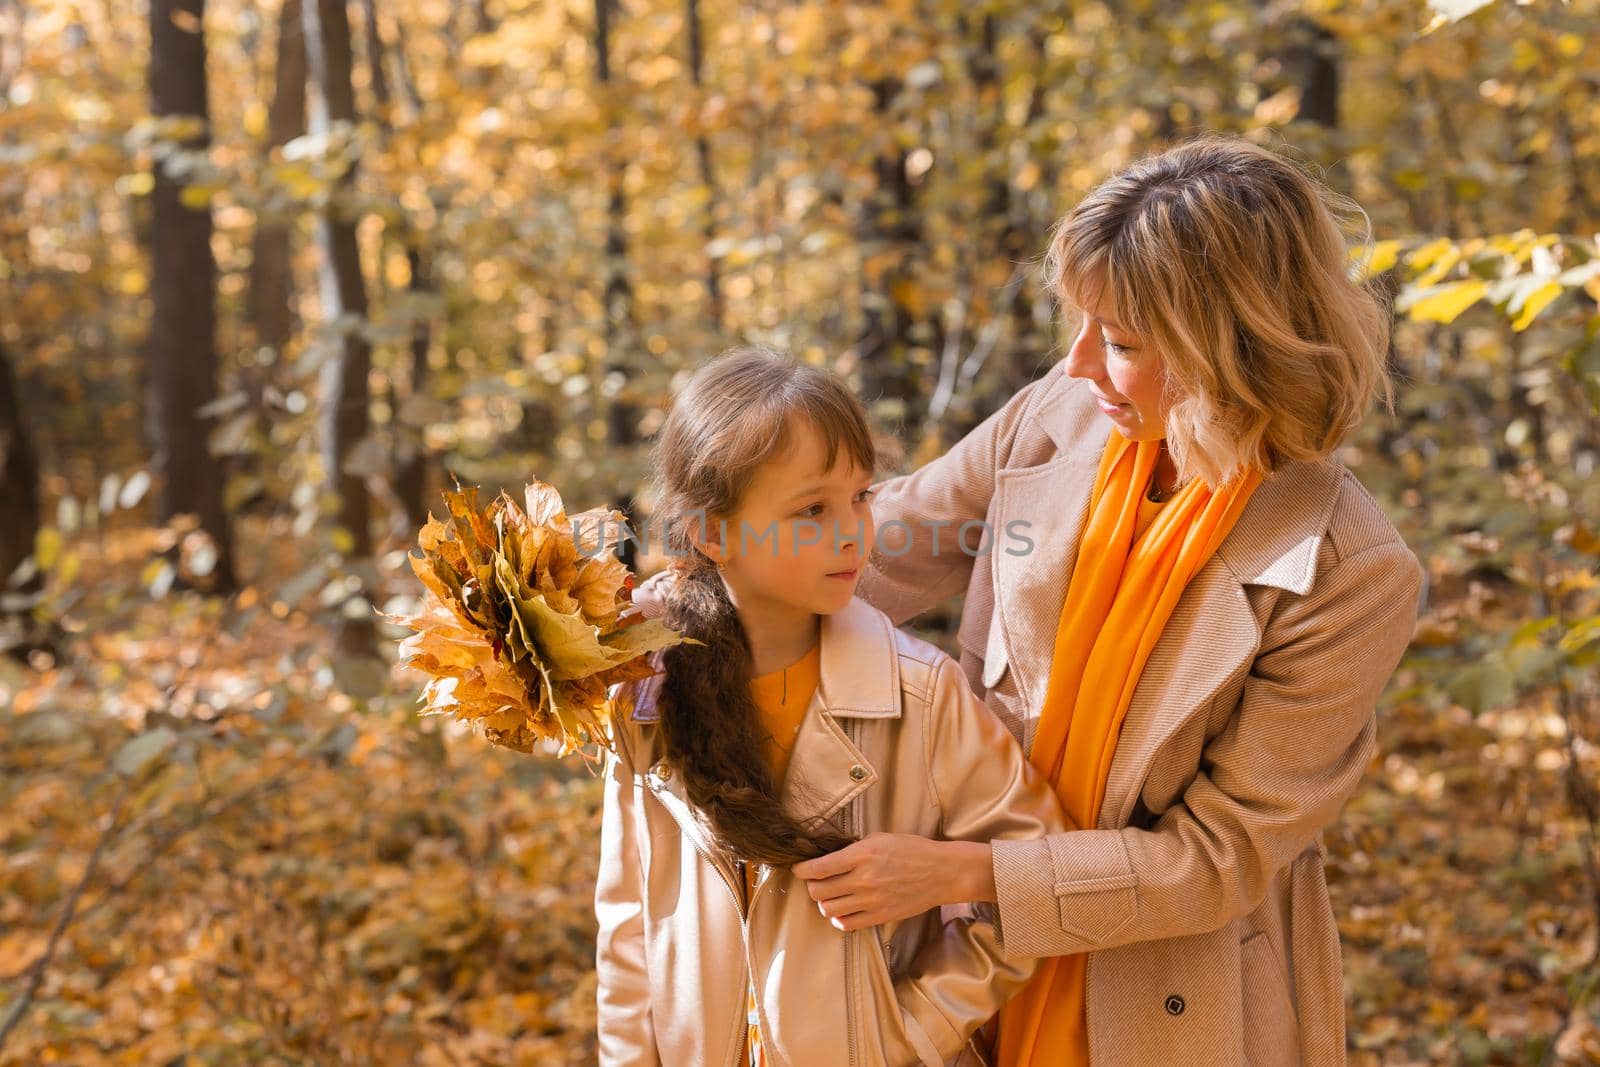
(291, 875)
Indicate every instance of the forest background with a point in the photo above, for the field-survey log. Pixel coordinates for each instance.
(273, 275)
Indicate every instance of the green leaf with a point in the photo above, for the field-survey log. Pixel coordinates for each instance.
(1481, 687)
(47, 547)
(139, 753)
(641, 639)
(1581, 634)
(568, 645)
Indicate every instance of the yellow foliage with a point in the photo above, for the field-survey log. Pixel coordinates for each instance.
(1447, 302)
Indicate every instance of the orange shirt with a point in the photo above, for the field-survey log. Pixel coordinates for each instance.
(782, 697)
(1148, 510)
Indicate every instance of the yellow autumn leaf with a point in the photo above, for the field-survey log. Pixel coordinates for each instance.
(196, 197)
(1384, 255)
(520, 630)
(1536, 301)
(47, 547)
(1446, 302)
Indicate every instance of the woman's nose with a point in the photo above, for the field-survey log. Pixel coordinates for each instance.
(1084, 358)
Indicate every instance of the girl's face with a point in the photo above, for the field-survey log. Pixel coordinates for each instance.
(1125, 373)
(802, 534)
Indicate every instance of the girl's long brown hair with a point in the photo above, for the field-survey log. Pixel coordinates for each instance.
(737, 412)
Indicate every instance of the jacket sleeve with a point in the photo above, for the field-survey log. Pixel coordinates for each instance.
(1295, 748)
(626, 1032)
(986, 790)
(917, 560)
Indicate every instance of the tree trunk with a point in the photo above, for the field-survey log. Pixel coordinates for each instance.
(702, 150)
(411, 458)
(19, 477)
(410, 475)
(270, 286)
(1314, 66)
(343, 292)
(182, 353)
(890, 233)
(622, 415)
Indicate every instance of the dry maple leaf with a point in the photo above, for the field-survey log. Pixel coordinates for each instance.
(521, 629)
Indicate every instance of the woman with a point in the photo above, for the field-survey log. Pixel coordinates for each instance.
(1182, 606)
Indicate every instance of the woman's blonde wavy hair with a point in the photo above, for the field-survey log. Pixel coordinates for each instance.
(1234, 263)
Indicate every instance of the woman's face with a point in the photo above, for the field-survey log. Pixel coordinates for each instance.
(1125, 373)
(802, 533)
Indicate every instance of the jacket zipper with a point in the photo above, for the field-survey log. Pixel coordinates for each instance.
(744, 941)
(852, 828)
(742, 1013)
(726, 879)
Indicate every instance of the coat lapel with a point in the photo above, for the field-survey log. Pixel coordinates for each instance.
(1049, 505)
(1213, 634)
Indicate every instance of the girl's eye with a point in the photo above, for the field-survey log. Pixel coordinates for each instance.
(812, 511)
(862, 496)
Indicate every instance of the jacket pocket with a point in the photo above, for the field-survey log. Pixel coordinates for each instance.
(1271, 1029)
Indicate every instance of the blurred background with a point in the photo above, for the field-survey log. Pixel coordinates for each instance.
(273, 274)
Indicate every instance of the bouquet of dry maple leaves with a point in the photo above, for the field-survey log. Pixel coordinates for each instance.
(524, 629)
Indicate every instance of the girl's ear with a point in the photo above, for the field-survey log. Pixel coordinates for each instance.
(709, 537)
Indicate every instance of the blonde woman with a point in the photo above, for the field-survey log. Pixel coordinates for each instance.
(1186, 615)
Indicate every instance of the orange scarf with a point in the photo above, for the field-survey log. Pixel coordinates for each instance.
(1121, 595)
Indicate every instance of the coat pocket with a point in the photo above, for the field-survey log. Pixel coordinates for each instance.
(1096, 908)
(1271, 1028)
(1095, 888)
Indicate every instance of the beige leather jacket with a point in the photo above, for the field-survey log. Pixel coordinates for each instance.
(894, 740)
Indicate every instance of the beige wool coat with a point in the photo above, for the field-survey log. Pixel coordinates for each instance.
(1200, 896)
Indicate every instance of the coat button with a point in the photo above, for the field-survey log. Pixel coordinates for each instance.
(1174, 1004)
(662, 770)
(858, 773)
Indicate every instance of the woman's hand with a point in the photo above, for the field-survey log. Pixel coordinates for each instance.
(887, 877)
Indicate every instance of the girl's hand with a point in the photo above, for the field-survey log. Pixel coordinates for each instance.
(887, 877)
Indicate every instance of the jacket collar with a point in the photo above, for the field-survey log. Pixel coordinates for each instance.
(1276, 540)
(859, 673)
(859, 678)
(858, 668)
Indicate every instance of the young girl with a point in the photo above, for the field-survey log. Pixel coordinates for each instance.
(803, 721)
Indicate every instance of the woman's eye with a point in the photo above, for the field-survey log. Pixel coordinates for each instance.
(1114, 348)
